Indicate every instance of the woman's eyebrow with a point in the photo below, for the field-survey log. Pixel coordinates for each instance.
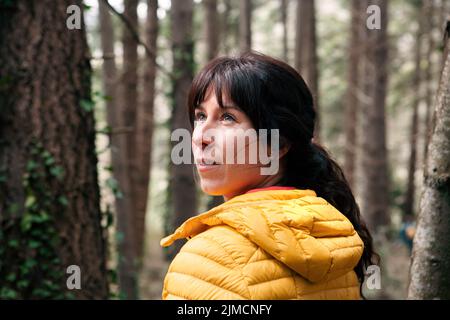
(226, 106)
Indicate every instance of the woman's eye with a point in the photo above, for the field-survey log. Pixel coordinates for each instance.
(228, 117)
(200, 116)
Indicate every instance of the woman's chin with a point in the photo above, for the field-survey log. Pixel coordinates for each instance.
(212, 189)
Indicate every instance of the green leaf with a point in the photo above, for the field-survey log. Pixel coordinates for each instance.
(87, 105)
(105, 130)
(63, 200)
(33, 244)
(31, 165)
(49, 161)
(7, 293)
(114, 186)
(21, 284)
(11, 277)
(13, 243)
(43, 217)
(30, 202)
(26, 222)
(30, 263)
(57, 172)
(46, 155)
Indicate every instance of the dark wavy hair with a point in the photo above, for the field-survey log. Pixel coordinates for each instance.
(274, 96)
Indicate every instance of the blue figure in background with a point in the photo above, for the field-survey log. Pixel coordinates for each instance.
(407, 231)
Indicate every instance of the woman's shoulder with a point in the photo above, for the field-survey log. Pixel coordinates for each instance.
(223, 243)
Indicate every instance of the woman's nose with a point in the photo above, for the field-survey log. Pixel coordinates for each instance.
(201, 138)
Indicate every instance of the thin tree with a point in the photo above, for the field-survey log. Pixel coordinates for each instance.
(118, 145)
(353, 88)
(127, 222)
(226, 27)
(50, 217)
(283, 12)
(306, 61)
(212, 29)
(245, 25)
(408, 205)
(429, 278)
(374, 178)
(429, 26)
(183, 192)
(144, 123)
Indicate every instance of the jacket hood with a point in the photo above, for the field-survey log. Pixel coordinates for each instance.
(296, 227)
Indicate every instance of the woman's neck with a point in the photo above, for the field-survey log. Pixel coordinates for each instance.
(270, 181)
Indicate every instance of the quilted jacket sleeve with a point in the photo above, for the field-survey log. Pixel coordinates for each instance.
(208, 267)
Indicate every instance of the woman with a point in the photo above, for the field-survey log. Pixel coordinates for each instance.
(294, 234)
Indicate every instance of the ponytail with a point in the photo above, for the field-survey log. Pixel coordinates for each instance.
(311, 167)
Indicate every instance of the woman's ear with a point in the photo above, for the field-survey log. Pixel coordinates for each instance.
(284, 150)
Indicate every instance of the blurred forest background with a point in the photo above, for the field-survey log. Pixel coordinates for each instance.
(86, 117)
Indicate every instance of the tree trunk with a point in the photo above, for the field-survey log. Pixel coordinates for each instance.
(212, 29)
(226, 28)
(118, 145)
(144, 122)
(283, 9)
(245, 25)
(429, 28)
(429, 276)
(374, 180)
(351, 107)
(305, 52)
(182, 185)
(127, 220)
(408, 206)
(50, 215)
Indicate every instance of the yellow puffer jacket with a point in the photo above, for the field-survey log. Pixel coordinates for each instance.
(273, 244)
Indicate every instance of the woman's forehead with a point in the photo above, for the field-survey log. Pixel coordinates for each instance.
(220, 95)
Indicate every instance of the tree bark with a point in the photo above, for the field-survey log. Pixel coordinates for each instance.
(351, 107)
(144, 134)
(245, 25)
(408, 205)
(212, 29)
(226, 27)
(127, 220)
(429, 28)
(283, 9)
(306, 61)
(374, 180)
(182, 185)
(429, 276)
(50, 215)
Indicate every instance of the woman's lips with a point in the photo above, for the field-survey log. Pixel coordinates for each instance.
(204, 165)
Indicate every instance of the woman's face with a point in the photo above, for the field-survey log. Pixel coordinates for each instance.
(226, 167)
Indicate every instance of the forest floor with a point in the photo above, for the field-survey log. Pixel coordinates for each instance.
(153, 270)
